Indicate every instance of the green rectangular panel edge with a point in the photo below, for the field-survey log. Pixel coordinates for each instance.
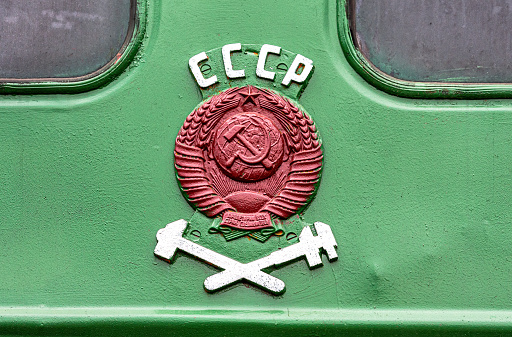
(123, 321)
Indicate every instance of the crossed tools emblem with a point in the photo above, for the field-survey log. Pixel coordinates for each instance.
(170, 240)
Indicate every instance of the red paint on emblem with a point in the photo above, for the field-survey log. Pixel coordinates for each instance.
(248, 147)
(248, 153)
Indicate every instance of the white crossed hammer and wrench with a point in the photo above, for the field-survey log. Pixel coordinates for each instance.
(170, 239)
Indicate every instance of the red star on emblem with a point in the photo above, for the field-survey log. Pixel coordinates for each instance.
(250, 95)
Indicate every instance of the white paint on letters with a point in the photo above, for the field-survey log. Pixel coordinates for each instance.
(228, 65)
(193, 63)
(291, 74)
(260, 68)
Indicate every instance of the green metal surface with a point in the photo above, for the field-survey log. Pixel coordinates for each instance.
(417, 192)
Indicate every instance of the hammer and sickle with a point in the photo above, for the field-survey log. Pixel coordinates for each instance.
(258, 156)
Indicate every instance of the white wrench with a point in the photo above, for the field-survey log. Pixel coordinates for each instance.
(309, 246)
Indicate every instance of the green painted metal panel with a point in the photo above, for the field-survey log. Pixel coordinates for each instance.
(417, 192)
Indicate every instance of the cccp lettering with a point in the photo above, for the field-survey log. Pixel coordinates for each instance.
(298, 72)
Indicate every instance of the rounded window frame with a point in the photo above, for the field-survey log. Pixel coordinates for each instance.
(95, 79)
(404, 88)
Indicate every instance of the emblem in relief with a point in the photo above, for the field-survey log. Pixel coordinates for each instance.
(248, 154)
(248, 158)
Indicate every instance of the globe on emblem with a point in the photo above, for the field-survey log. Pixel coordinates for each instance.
(248, 147)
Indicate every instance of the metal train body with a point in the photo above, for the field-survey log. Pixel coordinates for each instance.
(416, 186)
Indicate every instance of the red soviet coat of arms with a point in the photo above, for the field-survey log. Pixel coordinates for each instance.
(248, 155)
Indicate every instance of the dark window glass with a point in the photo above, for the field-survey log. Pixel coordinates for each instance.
(436, 40)
(60, 38)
